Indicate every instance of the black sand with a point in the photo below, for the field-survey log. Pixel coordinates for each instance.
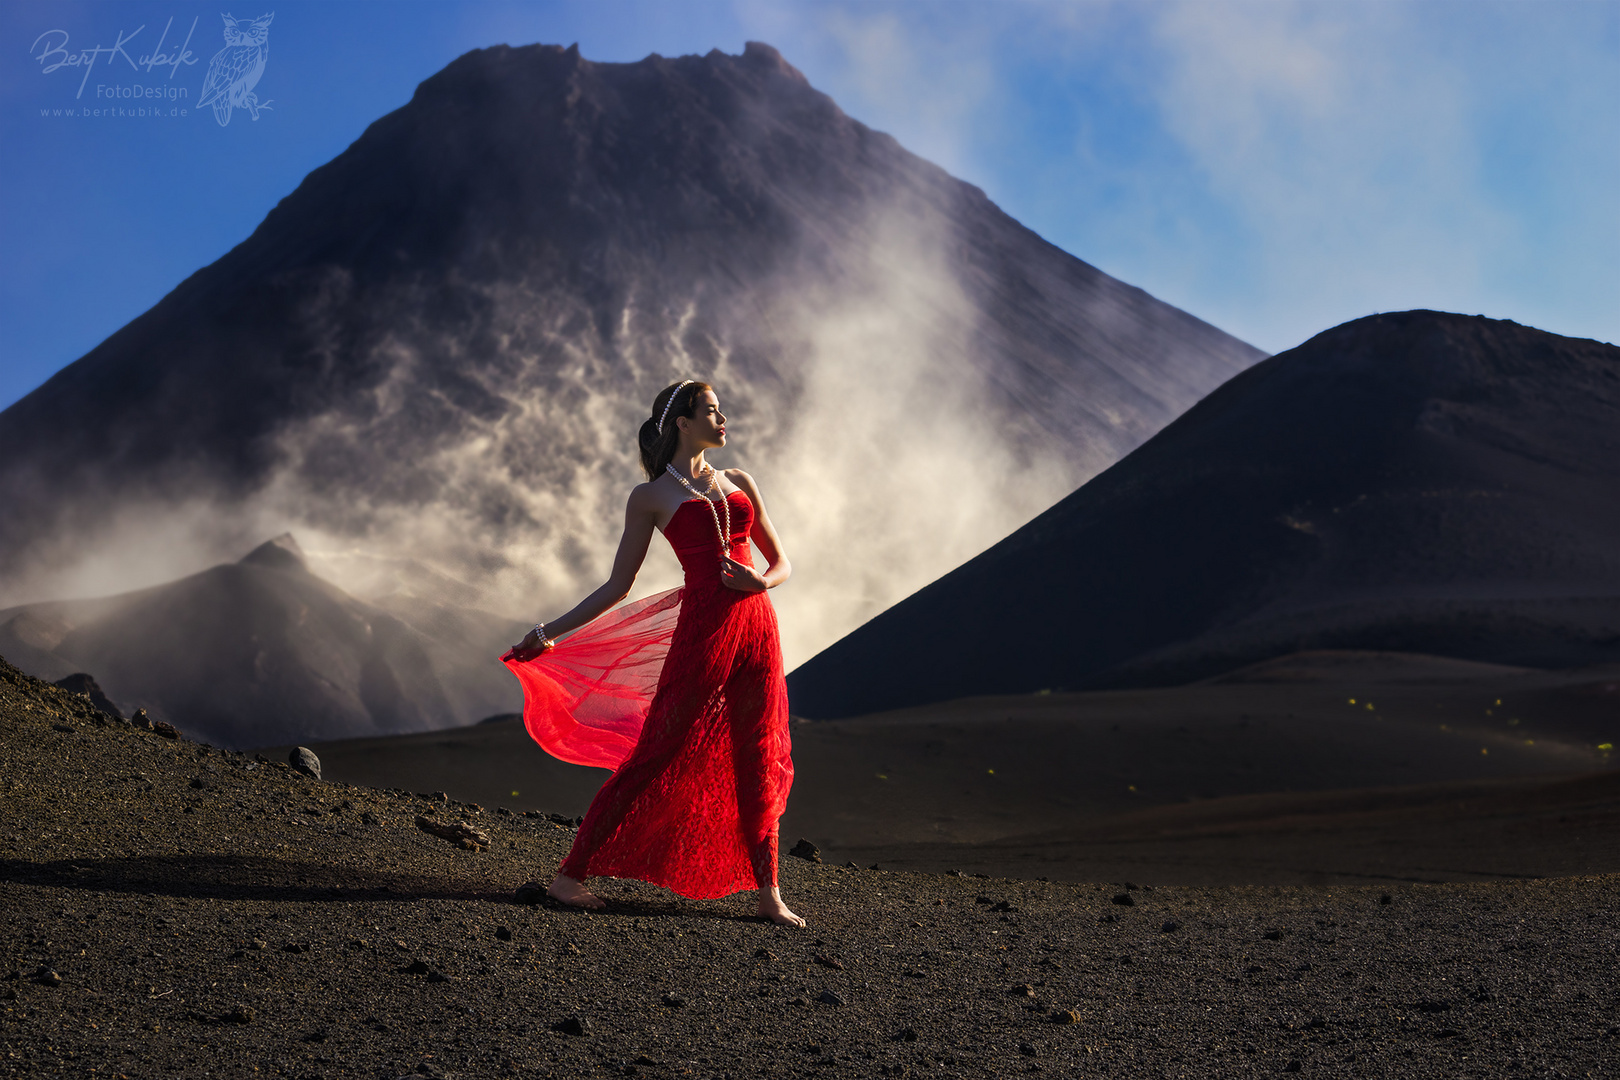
(209, 917)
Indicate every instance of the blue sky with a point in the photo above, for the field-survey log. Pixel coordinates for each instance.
(1273, 167)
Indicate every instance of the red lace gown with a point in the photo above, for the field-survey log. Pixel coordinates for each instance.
(682, 695)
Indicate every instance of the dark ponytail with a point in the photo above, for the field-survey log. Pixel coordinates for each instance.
(658, 447)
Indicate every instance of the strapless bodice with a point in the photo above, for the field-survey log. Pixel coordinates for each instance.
(691, 533)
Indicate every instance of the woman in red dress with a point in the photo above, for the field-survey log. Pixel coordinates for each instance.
(680, 694)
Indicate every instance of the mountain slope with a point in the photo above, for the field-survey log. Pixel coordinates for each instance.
(1415, 482)
(261, 651)
(441, 344)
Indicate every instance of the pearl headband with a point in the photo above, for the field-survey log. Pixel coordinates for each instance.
(673, 395)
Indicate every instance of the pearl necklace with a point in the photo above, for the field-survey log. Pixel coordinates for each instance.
(722, 531)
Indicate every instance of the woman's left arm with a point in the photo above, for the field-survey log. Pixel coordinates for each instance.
(735, 575)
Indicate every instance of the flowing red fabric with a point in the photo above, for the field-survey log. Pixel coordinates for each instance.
(682, 695)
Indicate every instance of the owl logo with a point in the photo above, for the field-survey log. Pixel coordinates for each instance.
(234, 71)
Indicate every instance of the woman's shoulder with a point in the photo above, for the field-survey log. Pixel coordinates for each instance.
(740, 479)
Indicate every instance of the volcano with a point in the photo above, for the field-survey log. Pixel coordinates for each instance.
(1417, 482)
(438, 349)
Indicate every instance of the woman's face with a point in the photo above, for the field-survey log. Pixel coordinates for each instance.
(706, 427)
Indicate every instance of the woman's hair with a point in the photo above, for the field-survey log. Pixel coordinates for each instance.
(658, 446)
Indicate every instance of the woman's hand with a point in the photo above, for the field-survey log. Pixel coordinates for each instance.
(743, 578)
(528, 648)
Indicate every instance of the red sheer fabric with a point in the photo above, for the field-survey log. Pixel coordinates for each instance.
(682, 695)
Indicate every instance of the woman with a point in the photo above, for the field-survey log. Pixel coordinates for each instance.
(702, 770)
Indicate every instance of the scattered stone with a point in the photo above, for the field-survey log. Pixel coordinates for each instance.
(503, 933)
(47, 976)
(1124, 900)
(574, 1025)
(368, 818)
(827, 997)
(165, 729)
(1066, 1016)
(461, 833)
(1027, 1049)
(1169, 926)
(141, 720)
(805, 850)
(66, 729)
(1022, 990)
(828, 962)
(503, 811)
(801, 1000)
(763, 953)
(295, 947)
(674, 1001)
(1292, 1066)
(303, 759)
(874, 866)
(851, 865)
(258, 943)
(1003, 906)
(906, 1035)
(1386, 899)
(1109, 916)
(530, 892)
(1272, 935)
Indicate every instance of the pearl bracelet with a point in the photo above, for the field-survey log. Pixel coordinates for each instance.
(540, 632)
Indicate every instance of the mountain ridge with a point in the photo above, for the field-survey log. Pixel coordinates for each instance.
(1449, 481)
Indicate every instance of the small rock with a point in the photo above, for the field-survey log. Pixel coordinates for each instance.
(368, 818)
(1124, 900)
(906, 1035)
(1003, 906)
(461, 833)
(66, 729)
(1292, 1066)
(1109, 917)
(241, 1014)
(530, 892)
(503, 811)
(1272, 935)
(852, 865)
(1169, 926)
(1066, 1016)
(829, 962)
(1022, 990)
(294, 947)
(674, 1001)
(303, 759)
(827, 997)
(874, 866)
(574, 1025)
(1386, 899)
(258, 943)
(46, 976)
(799, 1001)
(141, 720)
(165, 729)
(1027, 1049)
(503, 933)
(764, 954)
(805, 850)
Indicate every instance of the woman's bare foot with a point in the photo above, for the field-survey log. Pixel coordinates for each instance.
(772, 908)
(566, 890)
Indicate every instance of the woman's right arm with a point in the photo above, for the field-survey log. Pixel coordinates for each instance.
(640, 518)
